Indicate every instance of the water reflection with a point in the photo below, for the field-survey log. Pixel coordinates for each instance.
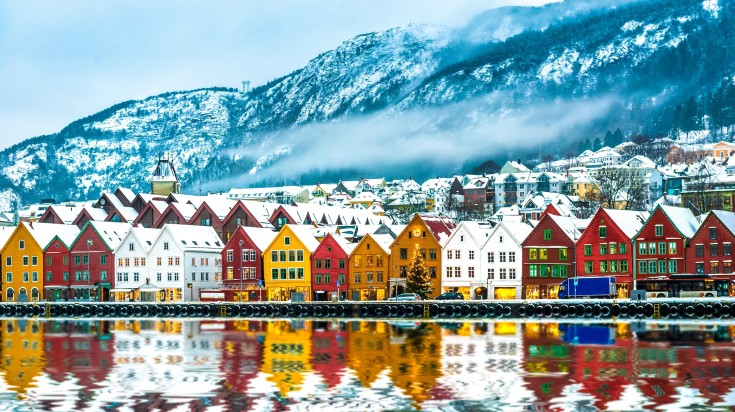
(338, 365)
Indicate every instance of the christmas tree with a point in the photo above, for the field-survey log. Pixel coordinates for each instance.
(417, 278)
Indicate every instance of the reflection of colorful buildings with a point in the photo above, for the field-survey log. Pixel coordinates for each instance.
(368, 347)
(329, 350)
(82, 351)
(415, 360)
(242, 353)
(547, 363)
(287, 354)
(22, 353)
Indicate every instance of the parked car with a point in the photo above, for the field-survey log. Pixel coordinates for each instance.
(405, 297)
(450, 296)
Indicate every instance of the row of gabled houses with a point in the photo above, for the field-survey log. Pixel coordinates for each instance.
(482, 260)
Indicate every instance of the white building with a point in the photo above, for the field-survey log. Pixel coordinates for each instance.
(461, 264)
(185, 259)
(132, 274)
(501, 260)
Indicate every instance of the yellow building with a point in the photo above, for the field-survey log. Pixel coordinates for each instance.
(369, 268)
(287, 263)
(425, 233)
(368, 350)
(586, 187)
(23, 357)
(415, 361)
(287, 355)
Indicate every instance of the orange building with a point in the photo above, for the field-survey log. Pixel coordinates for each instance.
(369, 268)
(427, 234)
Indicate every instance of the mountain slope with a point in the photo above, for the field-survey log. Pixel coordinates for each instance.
(418, 101)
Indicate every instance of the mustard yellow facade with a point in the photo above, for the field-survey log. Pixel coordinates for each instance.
(287, 267)
(368, 351)
(287, 355)
(23, 357)
(415, 235)
(369, 266)
(415, 364)
(22, 259)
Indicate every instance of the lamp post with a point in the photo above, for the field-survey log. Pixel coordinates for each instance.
(487, 288)
(242, 272)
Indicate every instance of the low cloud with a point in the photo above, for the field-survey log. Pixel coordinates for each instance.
(437, 140)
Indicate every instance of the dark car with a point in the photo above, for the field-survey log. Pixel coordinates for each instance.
(450, 296)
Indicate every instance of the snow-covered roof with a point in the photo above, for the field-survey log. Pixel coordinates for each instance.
(343, 243)
(67, 212)
(383, 240)
(5, 232)
(112, 233)
(644, 161)
(303, 232)
(146, 237)
(568, 225)
(262, 237)
(366, 197)
(727, 219)
(629, 221)
(478, 231)
(127, 193)
(682, 218)
(194, 238)
(519, 230)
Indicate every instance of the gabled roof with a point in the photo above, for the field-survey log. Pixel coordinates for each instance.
(727, 219)
(184, 210)
(346, 246)
(303, 232)
(190, 238)
(382, 240)
(146, 237)
(126, 193)
(519, 231)
(478, 231)
(5, 233)
(568, 225)
(67, 212)
(629, 221)
(44, 233)
(92, 212)
(261, 237)
(439, 226)
(682, 218)
(112, 233)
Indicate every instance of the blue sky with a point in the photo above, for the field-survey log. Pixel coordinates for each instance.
(63, 60)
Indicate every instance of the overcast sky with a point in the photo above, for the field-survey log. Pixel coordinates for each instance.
(63, 60)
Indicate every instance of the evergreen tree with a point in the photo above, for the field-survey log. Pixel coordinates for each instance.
(617, 137)
(597, 145)
(417, 277)
(609, 139)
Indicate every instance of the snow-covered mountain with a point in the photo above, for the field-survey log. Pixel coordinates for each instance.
(417, 100)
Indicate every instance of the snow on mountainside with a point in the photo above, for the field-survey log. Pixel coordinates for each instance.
(418, 100)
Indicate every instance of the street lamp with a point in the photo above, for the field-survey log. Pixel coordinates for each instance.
(487, 288)
(242, 271)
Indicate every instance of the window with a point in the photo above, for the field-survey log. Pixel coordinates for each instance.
(588, 250)
(511, 257)
(491, 257)
(342, 263)
(642, 248)
(432, 269)
(34, 260)
(503, 273)
(533, 271)
(699, 250)
(714, 267)
(131, 246)
(48, 275)
(672, 248)
(291, 255)
(299, 255)
(651, 248)
(713, 249)
(286, 240)
(403, 253)
(603, 231)
(8, 261)
(252, 255)
(432, 255)
(699, 268)
(603, 266)
(449, 254)
(318, 279)
(457, 254)
(21, 244)
(588, 267)
(612, 248)
(544, 271)
(230, 254)
(661, 248)
(547, 234)
(503, 257)
(283, 273)
(357, 277)
(274, 274)
(543, 254)
(726, 250)
(25, 276)
(512, 273)
(623, 248)
(642, 267)
(533, 254)
(603, 248)
(563, 254)
(471, 254)
(651, 266)
(713, 233)
(165, 245)
(661, 266)
(623, 266)
(471, 271)
(369, 277)
(282, 255)
(9, 277)
(659, 230)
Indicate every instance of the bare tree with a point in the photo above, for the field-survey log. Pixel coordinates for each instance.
(699, 194)
(620, 188)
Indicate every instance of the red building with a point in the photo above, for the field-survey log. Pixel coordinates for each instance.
(57, 264)
(548, 256)
(330, 269)
(605, 246)
(242, 356)
(660, 245)
(242, 264)
(240, 215)
(92, 263)
(213, 213)
(710, 250)
(479, 192)
(329, 351)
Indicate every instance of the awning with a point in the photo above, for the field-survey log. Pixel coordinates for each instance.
(56, 287)
(83, 287)
(147, 287)
(121, 290)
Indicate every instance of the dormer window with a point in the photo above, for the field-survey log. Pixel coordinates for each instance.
(286, 240)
